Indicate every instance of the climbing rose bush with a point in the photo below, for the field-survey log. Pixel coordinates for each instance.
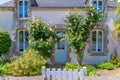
(42, 37)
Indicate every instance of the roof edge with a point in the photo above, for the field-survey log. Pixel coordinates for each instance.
(6, 7)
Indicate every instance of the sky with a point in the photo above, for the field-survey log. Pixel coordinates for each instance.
(2, 1)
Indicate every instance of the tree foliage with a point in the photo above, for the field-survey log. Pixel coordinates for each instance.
(5, 42)
(116, 31)
(42, 37)
(78, 28)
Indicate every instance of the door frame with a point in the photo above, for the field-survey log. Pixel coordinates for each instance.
(66, 47)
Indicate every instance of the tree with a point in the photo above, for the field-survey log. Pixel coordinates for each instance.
(42, 37)
(115, 0)
(78, 28)
(116, 31)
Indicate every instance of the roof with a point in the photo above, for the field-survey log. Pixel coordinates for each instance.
(62, 3)
(59, 3)
(111, 4)
(8, 4)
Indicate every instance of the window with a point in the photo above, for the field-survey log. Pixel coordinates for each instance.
(22, 40)
(97, 41)
(23, 9)
(61, 43)
(99, 6)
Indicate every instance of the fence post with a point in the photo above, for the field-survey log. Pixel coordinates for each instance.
(59, 74)
(81, 74)
(75, 74)
(64, 74)
(53, 73)
(43, 71)
(70, 75)
(85, 71)
(48, 73)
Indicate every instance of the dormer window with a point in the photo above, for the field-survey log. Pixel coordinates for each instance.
(99, 6)
(23, 9)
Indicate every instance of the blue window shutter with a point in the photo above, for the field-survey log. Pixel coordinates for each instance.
(21, 9)
(26, 8)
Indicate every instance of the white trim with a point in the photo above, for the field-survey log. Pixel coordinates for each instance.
(23, 39)
(97, 5)
(18, 41)
(102, 41)
(97, 41)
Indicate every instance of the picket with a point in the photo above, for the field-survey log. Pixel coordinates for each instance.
(59, 74)
(75, 75)
(43, 71)
(70, 72)
(48, 73)
(81, 74)
(53, 73)
(85, 72)
(64, 74)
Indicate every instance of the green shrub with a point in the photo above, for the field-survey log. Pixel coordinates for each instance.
(5, 42)
(91, 71)
(115, 59)
(6, 70)
(72, 66)
(2, 65)
(29, 63)
(106, 65)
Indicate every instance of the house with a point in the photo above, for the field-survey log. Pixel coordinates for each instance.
(100, 46)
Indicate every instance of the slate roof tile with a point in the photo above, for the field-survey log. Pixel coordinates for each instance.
(59, 3)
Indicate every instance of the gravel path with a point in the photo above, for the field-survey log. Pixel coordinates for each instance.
(114, 72)
(103, 78)
(21, 78)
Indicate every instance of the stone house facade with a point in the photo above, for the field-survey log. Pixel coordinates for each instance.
(14, 16)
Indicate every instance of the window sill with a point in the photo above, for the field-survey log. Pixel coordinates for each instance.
(23, 18)
(98, 54)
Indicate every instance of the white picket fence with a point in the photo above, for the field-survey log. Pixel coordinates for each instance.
(53, 74)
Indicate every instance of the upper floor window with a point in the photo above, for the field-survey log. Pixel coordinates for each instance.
(99, 6)
(22, 40)
(23, 9)
(97, 41)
